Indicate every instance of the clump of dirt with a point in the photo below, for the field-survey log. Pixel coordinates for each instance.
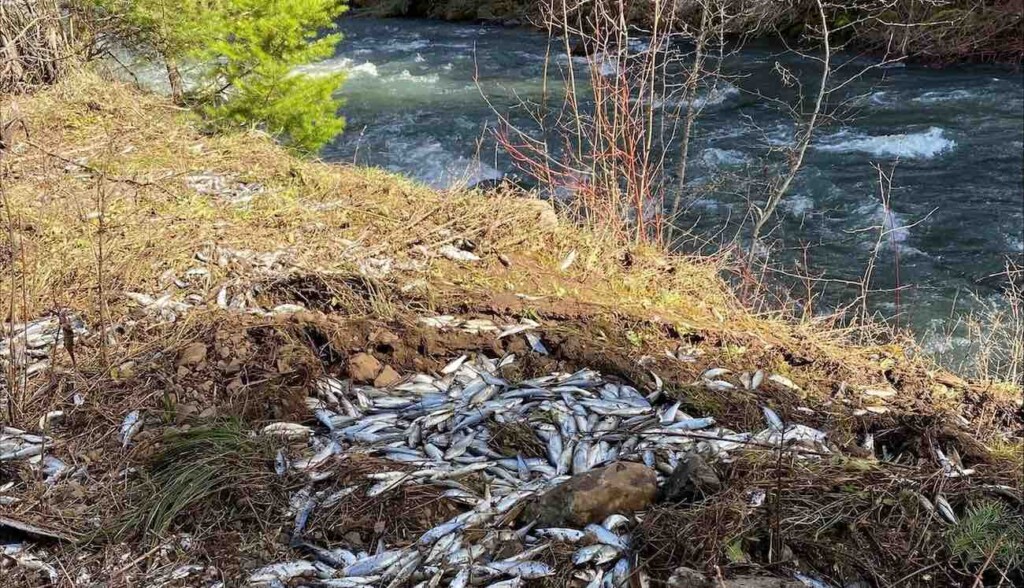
(559, 557)
(397, 517)
(515, 438)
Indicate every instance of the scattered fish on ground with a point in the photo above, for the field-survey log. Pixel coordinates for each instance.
(31, 345)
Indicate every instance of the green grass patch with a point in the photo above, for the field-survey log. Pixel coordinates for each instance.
(223, 462)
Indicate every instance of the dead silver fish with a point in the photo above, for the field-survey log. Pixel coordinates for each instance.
(131, 425)
(571, 257)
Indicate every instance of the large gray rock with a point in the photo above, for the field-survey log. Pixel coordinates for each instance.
(588, 498)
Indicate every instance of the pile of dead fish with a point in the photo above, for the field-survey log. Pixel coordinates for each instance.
(227, 188)
(30, 345)
(195, 288)
(437, 427)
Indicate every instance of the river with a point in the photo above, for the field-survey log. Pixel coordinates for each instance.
(415, 105)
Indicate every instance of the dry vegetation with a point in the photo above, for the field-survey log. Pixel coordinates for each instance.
(103, 194)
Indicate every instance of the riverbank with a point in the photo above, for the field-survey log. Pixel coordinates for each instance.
(204, 287)
(931, 33)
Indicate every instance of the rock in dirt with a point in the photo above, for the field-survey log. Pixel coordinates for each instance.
(692, 480)
(547, 218)
(363, 367)
(591, 497)
(684, 577)
(191, 355)
(388, 377)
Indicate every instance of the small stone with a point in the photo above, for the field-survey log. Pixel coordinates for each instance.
(547, 218)
(192, 354)
(184, 411)
(591, 497)
(125, 370)
(384, 337)
(692, 480)
(234, 367)
(363, 367)
(684, 577)
(388, 377)
(354, 538)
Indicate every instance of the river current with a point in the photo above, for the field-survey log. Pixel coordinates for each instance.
(423, 98)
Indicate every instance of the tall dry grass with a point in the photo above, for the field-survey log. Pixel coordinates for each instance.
(601, 147)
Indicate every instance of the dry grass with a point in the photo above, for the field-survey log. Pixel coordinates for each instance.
(515, 438)
(196, 470)
(842, 519)
(398, 517)
(88, 133)
(138, 146)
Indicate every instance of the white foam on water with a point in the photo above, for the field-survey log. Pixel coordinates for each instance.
(708, 204)
(714, 157)
(1015, 243)
(944, 96)
(638, 45)
(879, 99)
(877, 215)
(339, 64)
(716, 96)
(412, 45)
(364, 69)
(469, 32)
(529, 55)
(935, 342)
(778, 136)
(923, 145)
(608, 66)
(407, 76)
(432, 164)
(873, 216)
(798, 204)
